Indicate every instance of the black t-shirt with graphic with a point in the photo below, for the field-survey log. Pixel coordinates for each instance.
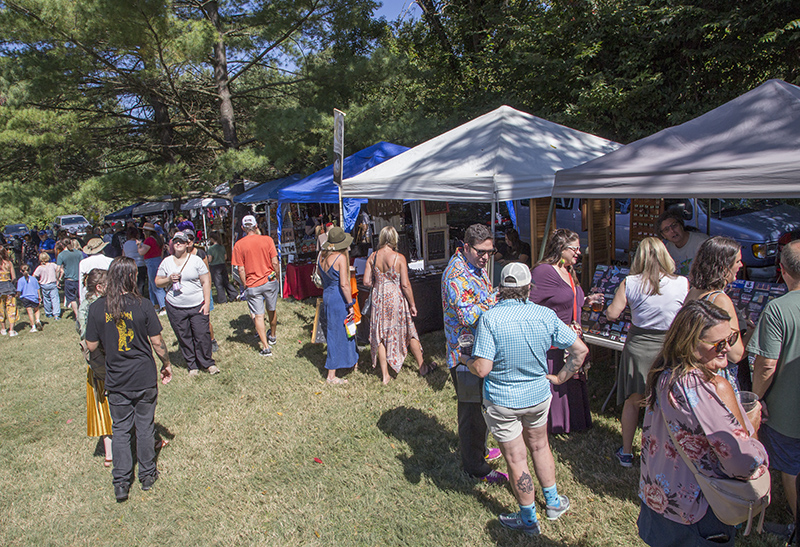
(129, 357)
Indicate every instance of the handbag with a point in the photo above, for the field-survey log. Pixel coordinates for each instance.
(316, 279)
(733, 501)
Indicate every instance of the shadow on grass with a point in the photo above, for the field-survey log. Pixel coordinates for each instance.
(434, 453)
(589, 456)
(243, 331)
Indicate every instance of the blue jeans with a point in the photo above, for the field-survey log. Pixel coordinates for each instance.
(157, 294)
(129, 410)
(50, 299)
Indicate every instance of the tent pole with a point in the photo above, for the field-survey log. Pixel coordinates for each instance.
(532, 230)
(708, 218)
(491, 259)
(341, 208)
(547, 227)
(205, 226)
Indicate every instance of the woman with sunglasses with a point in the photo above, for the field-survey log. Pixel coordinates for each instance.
(555, 286)
(689, 403)
(715, 266)
(654, 294)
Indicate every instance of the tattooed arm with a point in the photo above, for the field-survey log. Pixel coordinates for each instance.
(577, 354)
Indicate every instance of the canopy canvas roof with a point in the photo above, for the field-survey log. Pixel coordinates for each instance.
(503, 155)
(151, 208)
(122, 214)
(267, 191)
(748, 147)
(205, 203)
(320, 188)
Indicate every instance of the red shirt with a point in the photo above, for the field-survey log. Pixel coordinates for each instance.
(154, 251)
(255, 254)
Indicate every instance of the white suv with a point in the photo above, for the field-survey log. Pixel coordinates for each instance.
(74, 224)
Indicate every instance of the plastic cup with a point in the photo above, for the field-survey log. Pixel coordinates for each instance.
(465, 342)
(748, 400)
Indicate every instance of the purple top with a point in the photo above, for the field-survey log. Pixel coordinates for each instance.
(550, 290)
(710, 436)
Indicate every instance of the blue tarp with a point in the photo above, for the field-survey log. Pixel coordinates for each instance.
(320, 188)
(122, 214)
(267, 191)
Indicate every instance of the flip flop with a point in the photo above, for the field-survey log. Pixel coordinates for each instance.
(336, 381)
(429, 367)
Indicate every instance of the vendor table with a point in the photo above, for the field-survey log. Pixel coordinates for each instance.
(297, 282)
(427, 289)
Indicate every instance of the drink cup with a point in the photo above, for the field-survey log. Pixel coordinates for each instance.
(465, 342)
(176, 286)
(749, 402)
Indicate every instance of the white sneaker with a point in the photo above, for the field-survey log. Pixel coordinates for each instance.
(3, 332)
(13, 333)
(33, 329)
(162, 312)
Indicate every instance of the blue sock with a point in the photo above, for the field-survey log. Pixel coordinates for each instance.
(551, 496)
(528, 513)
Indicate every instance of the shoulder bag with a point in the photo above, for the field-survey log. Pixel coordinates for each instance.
(733, 501)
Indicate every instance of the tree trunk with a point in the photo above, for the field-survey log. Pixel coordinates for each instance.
(227, 117)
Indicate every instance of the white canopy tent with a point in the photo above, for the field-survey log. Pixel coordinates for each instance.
(503, 155)
(746, 148)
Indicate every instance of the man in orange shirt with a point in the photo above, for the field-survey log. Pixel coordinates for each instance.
(256, 258)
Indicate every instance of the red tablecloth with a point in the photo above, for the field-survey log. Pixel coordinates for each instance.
(297, 282)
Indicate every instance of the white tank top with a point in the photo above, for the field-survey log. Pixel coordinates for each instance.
(658, 310)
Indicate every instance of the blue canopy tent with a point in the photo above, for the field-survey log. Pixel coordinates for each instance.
(320, 188)
(267, 191)
(123, 214)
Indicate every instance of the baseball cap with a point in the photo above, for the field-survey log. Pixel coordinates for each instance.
(249, 221)
(180, 236)
(514, 275)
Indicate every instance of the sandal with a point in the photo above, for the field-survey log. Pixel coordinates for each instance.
(161, 444)
(428, 368)
(108, 462)
(336, 381)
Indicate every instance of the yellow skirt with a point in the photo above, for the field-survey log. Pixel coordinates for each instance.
(98, 418)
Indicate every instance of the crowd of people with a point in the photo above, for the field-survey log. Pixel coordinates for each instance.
(515, 353)
(683, 363)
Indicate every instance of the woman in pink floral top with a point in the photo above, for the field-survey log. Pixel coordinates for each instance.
(708, 423)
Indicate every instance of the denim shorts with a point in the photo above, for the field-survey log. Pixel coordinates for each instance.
(783, 451)
(658, 531)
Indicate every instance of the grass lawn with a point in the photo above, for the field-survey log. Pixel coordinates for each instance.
(240, 468)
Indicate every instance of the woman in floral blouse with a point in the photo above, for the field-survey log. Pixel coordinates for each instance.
(684, 390)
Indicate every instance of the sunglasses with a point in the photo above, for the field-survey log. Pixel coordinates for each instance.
(483, 252)
(574, 248)
(729, 341)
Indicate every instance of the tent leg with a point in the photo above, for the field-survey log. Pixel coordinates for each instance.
(491, 258)
(547, 227)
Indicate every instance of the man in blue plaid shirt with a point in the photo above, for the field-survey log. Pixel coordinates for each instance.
(510, 353)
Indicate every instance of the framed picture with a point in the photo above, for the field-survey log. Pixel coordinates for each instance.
(437, 245)
(436, 207)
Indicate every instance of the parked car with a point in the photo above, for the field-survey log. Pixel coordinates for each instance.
(74, 224)
(756, 224)
(15, 231)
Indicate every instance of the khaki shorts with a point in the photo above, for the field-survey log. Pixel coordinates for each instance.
(506, 423)
(258, 297)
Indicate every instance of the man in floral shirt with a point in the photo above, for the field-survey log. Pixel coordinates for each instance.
(466, 293)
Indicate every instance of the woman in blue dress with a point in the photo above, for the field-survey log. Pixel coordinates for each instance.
(334, 269)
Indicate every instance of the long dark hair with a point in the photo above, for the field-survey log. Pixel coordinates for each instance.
(121, 281)
(714, 259)
(558, 242)
(680, 344)
(93, 279)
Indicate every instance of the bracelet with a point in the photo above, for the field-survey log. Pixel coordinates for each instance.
(351, 304)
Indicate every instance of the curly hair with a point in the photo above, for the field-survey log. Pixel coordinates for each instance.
(477, 233)
(679, 353)
(713, 262)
